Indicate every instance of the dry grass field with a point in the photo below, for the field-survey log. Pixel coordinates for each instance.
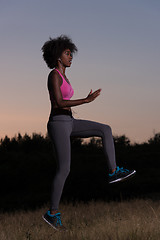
(128, 220)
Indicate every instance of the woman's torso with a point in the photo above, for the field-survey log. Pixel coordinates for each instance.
(65, 87)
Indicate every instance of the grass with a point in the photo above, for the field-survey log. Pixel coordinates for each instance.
(128, 220)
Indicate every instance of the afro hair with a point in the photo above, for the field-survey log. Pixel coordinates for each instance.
(53, 48)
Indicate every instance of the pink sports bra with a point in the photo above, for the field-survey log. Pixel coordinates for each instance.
(66, 88)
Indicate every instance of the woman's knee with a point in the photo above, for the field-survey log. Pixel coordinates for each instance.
(107, 128)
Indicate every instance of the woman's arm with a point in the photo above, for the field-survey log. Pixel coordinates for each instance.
(54, 83)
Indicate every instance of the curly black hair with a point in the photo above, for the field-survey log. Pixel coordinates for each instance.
(53, 49)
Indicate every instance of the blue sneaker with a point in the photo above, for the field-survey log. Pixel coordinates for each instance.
(120, 174)
(54, 221)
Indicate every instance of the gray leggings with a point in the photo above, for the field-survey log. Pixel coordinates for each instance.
(60, 129)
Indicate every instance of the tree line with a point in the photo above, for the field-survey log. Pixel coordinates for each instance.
(38, 140)
(28, 164)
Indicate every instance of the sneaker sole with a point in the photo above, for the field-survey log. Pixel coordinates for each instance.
(49, 223)
(124, 178)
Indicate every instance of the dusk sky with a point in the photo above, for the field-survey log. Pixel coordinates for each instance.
(118, 45)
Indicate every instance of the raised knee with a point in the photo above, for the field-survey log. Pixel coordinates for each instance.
(108, 128)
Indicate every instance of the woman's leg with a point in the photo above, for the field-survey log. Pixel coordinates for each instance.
(85, 128)
(59, 132)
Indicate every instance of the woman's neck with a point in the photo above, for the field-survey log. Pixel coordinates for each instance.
(61, 68)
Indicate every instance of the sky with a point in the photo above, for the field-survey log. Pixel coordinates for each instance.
(118, 45)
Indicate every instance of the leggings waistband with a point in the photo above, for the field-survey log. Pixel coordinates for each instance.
(60, 111)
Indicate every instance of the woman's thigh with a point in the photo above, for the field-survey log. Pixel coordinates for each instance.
(59, 132)
(86, 128)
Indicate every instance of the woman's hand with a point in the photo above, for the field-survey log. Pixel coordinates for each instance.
(92, 95)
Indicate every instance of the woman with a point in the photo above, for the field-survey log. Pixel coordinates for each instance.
(58, 55)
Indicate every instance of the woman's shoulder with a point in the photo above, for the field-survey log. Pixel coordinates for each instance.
(53, 73)
(54, 77)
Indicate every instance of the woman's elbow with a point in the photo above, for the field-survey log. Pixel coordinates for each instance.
(60, 104)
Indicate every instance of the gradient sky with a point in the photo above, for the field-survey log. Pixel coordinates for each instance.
(119, 51)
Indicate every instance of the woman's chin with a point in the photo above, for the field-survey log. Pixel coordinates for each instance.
(69, 65)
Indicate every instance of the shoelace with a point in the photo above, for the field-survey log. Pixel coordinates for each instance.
(122, 170)
(118, 169)
(58, 218)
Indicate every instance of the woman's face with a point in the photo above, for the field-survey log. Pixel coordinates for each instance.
(66, 58)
